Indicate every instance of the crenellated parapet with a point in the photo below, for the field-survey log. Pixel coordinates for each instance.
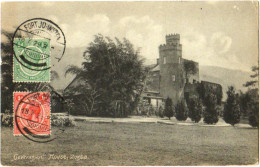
(171, 46)
(173, 36)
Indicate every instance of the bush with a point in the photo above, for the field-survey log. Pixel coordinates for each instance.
(161, 114)
(168, 109)
(61, 121)
(254, 112)
(7, 120)
(211, 113)
(232, 109)
(254, 120)
(181, 112)
(195, 109)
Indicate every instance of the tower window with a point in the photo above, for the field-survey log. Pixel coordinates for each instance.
(173, 77)
(164, 60)
(179, 60)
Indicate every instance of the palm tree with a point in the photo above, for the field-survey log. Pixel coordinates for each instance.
(91, 95)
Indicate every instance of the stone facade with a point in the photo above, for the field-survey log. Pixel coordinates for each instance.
(169, 77)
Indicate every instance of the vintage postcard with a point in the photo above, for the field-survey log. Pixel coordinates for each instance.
(129, 83)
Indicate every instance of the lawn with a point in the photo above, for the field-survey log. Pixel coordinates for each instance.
(137, 144)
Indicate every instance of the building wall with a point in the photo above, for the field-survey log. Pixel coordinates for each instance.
(153, 81)
(215, 88)
(171, 69)
(161, 79)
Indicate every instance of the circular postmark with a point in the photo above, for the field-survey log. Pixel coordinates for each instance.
(32, 116)
(35, 41)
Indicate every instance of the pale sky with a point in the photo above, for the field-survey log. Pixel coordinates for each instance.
(221, 34)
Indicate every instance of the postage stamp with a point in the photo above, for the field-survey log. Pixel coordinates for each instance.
(32, 113)
(37, 45)
(35, 54)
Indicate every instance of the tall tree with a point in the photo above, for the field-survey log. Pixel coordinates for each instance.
(195, 109)
(190, 68)
(244, 100)
(115, 71)
(181, 111)
(210, 113)
(255, 80)
(251, 101)
(254, 112)
(168, 109)
(231, 109)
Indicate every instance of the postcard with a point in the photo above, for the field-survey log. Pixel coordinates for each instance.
(129, 83)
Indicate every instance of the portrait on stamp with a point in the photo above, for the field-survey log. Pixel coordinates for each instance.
(32, 113)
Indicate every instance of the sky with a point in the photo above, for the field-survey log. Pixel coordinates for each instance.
(223, 34)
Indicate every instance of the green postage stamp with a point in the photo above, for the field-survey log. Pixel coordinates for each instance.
(32, 60)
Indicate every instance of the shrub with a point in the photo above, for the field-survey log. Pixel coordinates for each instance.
(254, 119)
(168, 109)
(211, 113)
(195, 109)
(161, 114)
(254, 112)
(61, 121)
(181, 112)
(6, 119)
(232, 109)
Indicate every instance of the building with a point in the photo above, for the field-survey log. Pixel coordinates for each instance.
(172, 76)
(153, 98)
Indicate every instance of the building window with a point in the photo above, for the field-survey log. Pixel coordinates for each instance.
(179, 60)
(164, 60)
(173, 78)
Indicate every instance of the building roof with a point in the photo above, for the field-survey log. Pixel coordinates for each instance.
(76, 82)
(153, 97)
(150, 66)
(156, 68)
(155, 92)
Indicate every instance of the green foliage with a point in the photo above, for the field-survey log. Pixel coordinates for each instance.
(195, 109)
(253, 83)
(249, 101)
(210, 113)
(82, 100)
(181, 111)
(190, 68)
(161, 114)
(6, 119)
(61, 122)
(254, 116)
(115, 71)
(232, 109)
(244, 100)
(168, 109)
(204, 90)
(254, 108)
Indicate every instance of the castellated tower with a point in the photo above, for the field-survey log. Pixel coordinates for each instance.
(171, 68)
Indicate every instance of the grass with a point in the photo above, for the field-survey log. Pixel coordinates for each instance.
(138, 144)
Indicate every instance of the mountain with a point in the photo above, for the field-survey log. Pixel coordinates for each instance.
(225, 77)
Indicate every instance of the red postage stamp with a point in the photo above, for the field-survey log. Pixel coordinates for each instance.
(32, 113)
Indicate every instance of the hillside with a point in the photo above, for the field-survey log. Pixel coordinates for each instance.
(225, 77)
